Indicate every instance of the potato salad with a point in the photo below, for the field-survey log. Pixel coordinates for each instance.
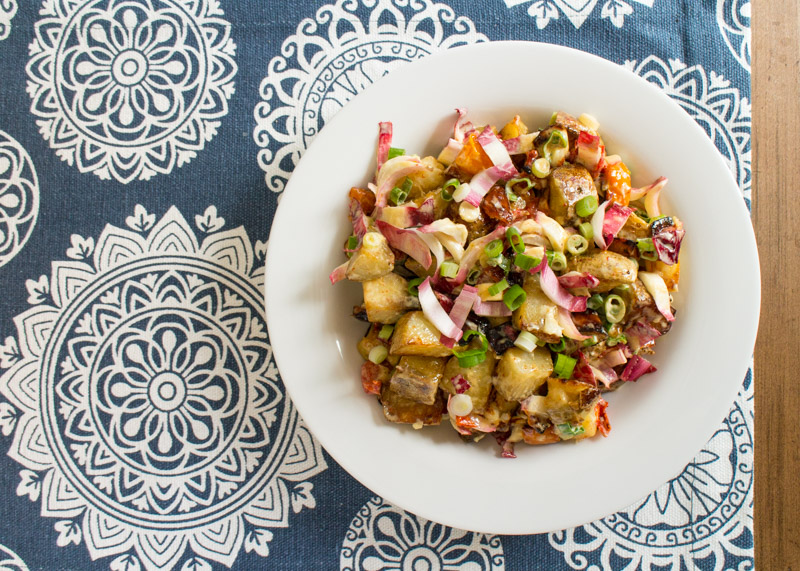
(510, 281)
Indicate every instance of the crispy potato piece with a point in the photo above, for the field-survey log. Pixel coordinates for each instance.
(479, 378)
(397, 408)
(610, 268)
(417, 378)
(415, 335)
(519, 373)
(569, 401)
(634, 229)
(537, 314)
(568, 184)
(386, 299)
(372, 260)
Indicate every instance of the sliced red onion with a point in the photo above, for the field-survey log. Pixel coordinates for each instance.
(568, 326)
(655, 286)
(651, 199)
(339, 273)
(384, 142)
(605, 375)
(590, 153)
(614, 219)
(358, 219)
(460, 384)
(450, 152)
(668, 244)
(435, 313)
(462, 126)
(553, 230)
(557, 294)
(434, 245)
(473, 253)
(407, 241)
(491, 309)
(637, 193)
(597, 225)
(391, 173)
(493, 147)
(615, 357)
(636, 367)
(578, 279)
(408, 216)
(582, 371)
(463, 304)
(519, 145)
(482, 182)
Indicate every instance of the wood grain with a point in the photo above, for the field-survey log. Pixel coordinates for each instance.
(776, 216)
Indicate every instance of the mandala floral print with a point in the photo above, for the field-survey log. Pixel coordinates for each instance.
(733, 19)
(145, 407)
(384, 537)
(8, 9)
(332, 58)
(127, 89)
(577, 11)
(19, 197)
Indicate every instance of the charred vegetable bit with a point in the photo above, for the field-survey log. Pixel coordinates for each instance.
(509, 282)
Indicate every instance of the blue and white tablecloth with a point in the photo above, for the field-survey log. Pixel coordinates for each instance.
(144, 145)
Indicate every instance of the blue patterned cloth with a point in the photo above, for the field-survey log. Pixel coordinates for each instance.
(144, 145)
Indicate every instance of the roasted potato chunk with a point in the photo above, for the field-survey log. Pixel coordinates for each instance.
(417, 378)
(634, 229)
(479, 378)
(386, 299)
(415, 335)
(537, 314)
(397, 408)
(610, 268)
(372, 260)
(520, 374)
(569, 401)
(568, 184)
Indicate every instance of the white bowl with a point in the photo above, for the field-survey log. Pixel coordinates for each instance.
(658, 423)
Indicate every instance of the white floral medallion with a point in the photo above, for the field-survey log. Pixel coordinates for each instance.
(383, 537)
(710, 100)
(733, 19)
(8, 9)
(19, 197)
(145, 406)
(702, 519)
(345, 48)
(127, 89)
(578, 11)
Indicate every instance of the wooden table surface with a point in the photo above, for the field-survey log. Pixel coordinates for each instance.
(776, 211)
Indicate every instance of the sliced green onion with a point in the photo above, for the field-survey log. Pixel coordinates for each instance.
(556, 260)
(558, 347)
(526, 341)
(526, 262)
(540, 167)
(511, 196)
(395, 152)
(470, 360)
(514, 297)
(448, 269)
(413, 286)
(472, 277)
(502, 285)
(449, 188)
(471, 357)
(615, 339)
(564, 366)
(386, 332)
(553, 117)
(378, 353)
(595, 302)
(352, 242)
(515, 239)
(569, 430)
(515, 181)
(577, 244)
(593, 340)
(556, 140)
(614, 308)
(398, 195)
(587, 231)
(586, 206)
(407, 184)
(494, 248)
(647, 250)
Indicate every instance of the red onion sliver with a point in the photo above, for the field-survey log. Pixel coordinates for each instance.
(615, 357)
(557, 294)
(392, 172)
(655, 286)
(636, 367)
(570, 330)
(578, 279)
(462, 126)
(640, 334)
(338, 274)
(491, 309)
(407, 241)
(614, 219)
(482, 182)
(597, 225)
(434, 312)
(493, 147)
(460, 384)
(637, 193)
(384, 143)
(473, 253)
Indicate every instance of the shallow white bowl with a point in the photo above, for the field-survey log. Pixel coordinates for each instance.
(658, 423)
